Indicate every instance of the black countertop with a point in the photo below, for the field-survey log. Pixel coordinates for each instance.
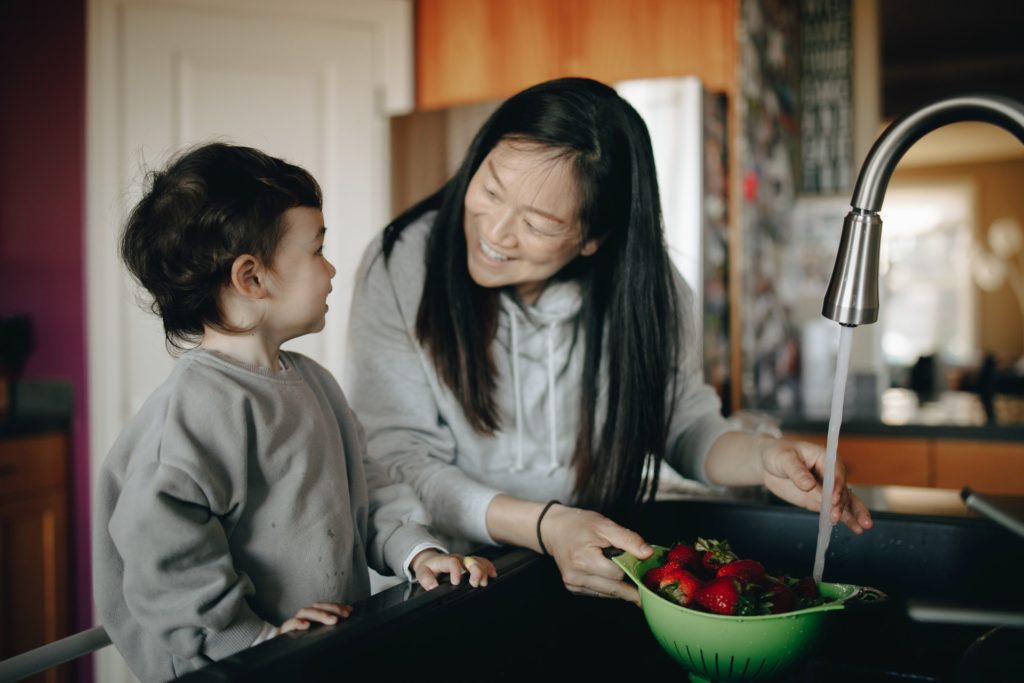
(527, 626)
(11, 427)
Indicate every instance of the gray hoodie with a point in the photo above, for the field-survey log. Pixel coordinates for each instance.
(417, 429)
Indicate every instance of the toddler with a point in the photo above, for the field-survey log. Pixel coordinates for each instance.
(237, 504)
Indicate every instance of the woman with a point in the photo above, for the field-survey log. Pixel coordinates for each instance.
(518, 338)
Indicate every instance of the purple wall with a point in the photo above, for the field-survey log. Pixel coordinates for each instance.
(42, 180)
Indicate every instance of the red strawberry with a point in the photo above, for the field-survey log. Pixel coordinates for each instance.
(806, 588)
(778, 598)
(684, 588)
(747, 571)
(655, 577)
(685, 555)
(716, 553)
(722, 595)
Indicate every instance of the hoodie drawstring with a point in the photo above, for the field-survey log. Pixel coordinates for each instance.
(517, 393)
(518, 399)
(552, 418)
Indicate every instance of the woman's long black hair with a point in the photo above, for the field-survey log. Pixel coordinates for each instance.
(630, 316)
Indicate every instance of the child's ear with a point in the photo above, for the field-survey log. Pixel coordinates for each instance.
(247, 276)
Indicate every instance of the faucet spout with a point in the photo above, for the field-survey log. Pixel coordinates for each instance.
(852, 295)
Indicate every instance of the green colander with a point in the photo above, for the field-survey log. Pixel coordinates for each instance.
(713, 647)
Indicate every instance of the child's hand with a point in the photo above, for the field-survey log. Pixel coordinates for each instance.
(320, 612)
(428, 564)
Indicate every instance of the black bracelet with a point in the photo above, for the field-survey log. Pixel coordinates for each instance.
(540, 519)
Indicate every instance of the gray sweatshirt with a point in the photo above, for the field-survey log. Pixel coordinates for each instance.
(417, 429)
(237, 496)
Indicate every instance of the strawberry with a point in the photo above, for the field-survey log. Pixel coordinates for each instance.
(655, 577)
(685, 587)
(685, 555)
(715, 554)
(723, 595)
(747, 571)
(777, 598)
(806, 588)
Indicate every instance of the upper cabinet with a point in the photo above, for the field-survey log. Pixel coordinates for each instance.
(478, 50)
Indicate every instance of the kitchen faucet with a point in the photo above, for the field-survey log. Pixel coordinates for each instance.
(852, 295)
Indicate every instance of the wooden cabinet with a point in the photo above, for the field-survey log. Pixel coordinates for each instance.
(478, 50)
(880, 460)
(34, 589)
(987, 466)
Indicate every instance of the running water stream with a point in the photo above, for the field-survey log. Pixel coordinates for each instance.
(828, 482)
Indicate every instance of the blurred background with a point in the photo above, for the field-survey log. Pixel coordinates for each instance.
(760, 110)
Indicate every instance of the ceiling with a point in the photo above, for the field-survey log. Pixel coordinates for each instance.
(937, 48)
(933, 48)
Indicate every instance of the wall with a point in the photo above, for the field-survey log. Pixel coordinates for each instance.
(997, 188)
(42, 138)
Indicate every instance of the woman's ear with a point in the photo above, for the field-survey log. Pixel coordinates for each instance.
(247, 277)
(590, 246)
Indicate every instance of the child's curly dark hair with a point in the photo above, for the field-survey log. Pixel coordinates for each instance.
(210, 205)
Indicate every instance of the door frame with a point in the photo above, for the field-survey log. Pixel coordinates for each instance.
(391, 23)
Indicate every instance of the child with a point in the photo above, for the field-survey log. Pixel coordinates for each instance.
(236, 505)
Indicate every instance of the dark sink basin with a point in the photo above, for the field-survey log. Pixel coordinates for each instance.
(526, 625)
(908, 556)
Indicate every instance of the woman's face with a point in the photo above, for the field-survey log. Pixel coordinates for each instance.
(522, 218)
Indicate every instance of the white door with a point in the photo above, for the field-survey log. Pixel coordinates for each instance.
(308, 81)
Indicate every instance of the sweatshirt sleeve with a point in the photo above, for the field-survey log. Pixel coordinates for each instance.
(390, 391)
(696, 421)
(179, 580)
(397, 519)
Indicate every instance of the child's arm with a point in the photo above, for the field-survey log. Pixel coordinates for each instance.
(180, 583)
(326, 613)
(430, 563)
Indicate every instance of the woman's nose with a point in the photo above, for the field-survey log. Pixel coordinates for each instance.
(332, 269)
(501, 230)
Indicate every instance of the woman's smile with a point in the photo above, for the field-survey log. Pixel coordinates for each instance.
(492, 254)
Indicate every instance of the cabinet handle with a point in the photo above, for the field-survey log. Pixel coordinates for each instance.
(7, 470)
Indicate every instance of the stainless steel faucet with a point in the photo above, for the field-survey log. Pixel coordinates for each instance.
(852, 295)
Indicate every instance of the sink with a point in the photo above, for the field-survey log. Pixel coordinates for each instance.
(957, 559)
(526, 625)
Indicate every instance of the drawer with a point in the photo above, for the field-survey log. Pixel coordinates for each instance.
(987, 466)
(29, 463)
(879, 461)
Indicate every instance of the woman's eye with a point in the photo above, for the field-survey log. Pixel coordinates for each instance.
(491, 193)
(320, 251)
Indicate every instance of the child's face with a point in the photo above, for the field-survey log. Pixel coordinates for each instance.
(300, 276)
(521, 218)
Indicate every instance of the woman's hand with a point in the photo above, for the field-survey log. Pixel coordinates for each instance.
(430, 563)
(320, 612)
(794, 470)
(576, 539)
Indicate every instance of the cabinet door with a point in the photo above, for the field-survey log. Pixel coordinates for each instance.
(987, 466)
(479, 50)
(33, 575)
(876, 460)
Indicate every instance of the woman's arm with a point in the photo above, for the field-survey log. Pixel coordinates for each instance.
(390, 391)
(792, 470)
(575, 538)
